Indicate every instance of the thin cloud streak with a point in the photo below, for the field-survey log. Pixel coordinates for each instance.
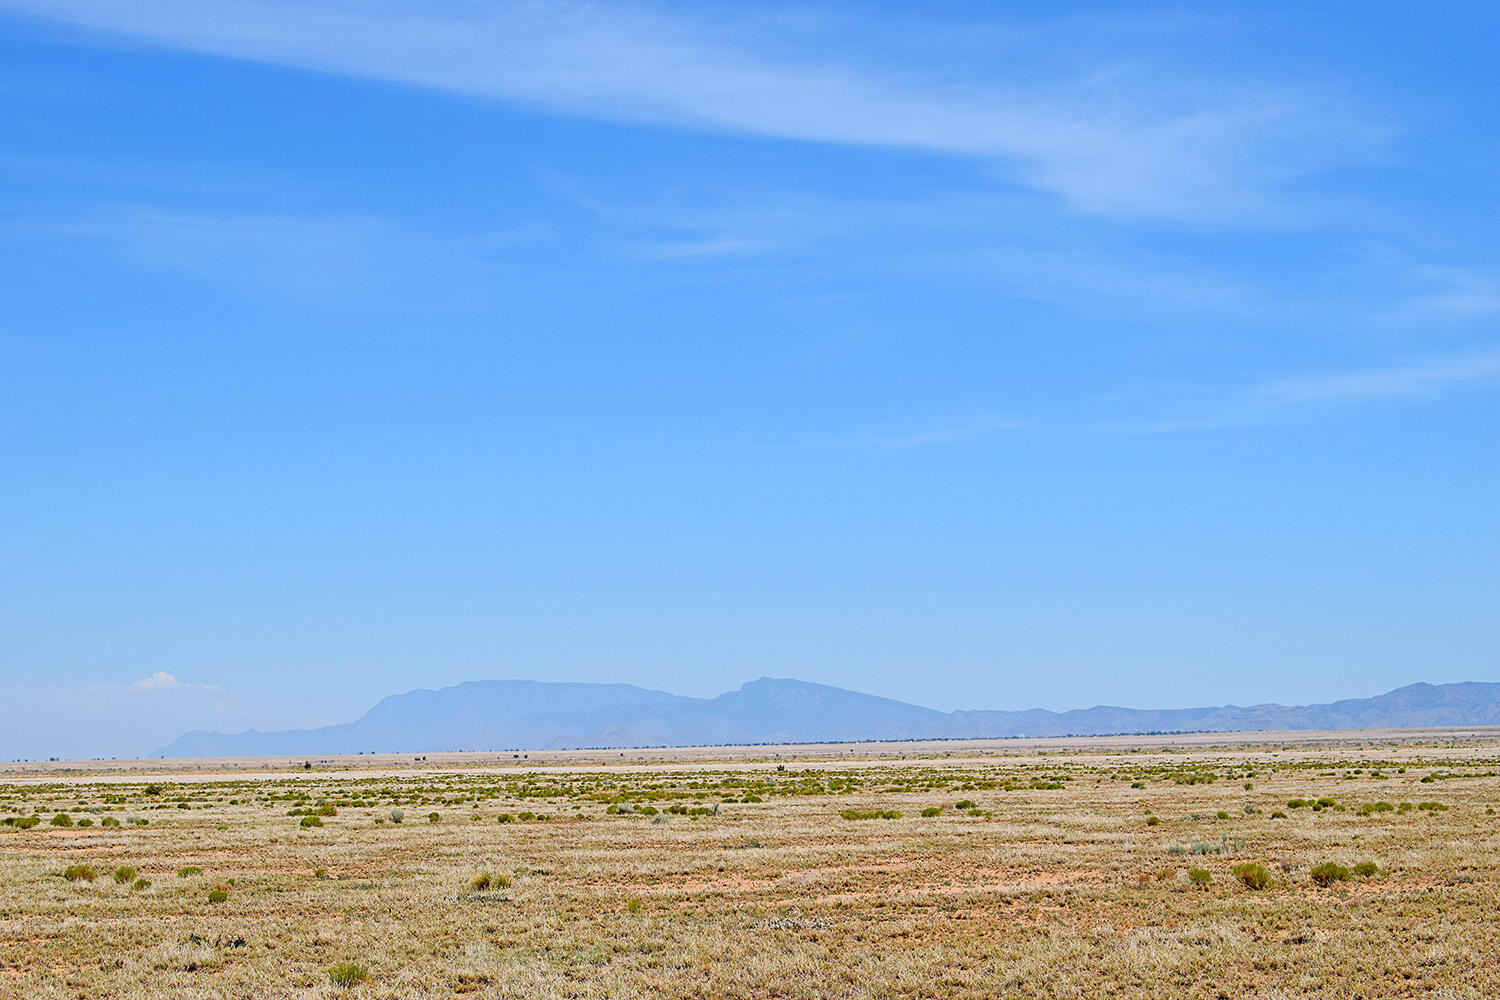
(1100, 146)
(1279, 399)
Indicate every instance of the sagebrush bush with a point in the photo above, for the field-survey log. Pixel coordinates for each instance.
(124, 874)
(1329, 872)
(1252, 875)
(218, 895)
(310, 821)
(1200, 877)
(397, 815)
(434, 817)
(1367, 869)
(141, 885)
(931, 811)
(80, 873)
(63, 819)
(964, 804)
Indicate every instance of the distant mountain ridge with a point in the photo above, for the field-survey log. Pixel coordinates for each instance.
(539, 715)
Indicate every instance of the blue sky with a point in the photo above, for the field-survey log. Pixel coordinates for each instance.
(973, 355)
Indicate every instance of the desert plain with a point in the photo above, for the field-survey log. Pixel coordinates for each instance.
(1350, 865)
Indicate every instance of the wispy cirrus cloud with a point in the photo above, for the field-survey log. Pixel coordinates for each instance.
(1283, 398)
(1149, 146)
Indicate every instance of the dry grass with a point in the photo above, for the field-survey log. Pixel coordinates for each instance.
(1052, 884)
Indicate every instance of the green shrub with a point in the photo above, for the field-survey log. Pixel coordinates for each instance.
(109, 821)
(1278, 814)
(327, 810)
(217, 895)
(1326, 802)
(931, 811)
(1371, 808)
(505, 818)
(1432, 807)
(141, 885)
(85, 822)
(1297, 803)
(61, 819)
(871, 814)
(348, 974)
(481, 881)
(1221, 814)
(152, 789)
(308, 821)
(963, 804)
(1330, 872)
(80, 873)
(1252, 875)
(434, 817)
(27, 822)
(1153, 820)
(503, 880)
(190, 870)
(634, 905)
(124, 874)
(320, 873)
(1200, 877)
(1137, 784)
(1367, 869)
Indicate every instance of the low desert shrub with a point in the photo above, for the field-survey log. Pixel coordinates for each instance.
(1329, 872)
(189, 871)
(480, 882)
(871, 814)
(434, 817)
(310, 821)
(634, 905)
(348, 974)
(80, 873)
(1200, 877)
(1367, 869)
(217, 895)
(109, 821)
(931, 811)
(63, 819)
(141, 885)
(963, 804)
(124, 874)
(1252, 875)
(397, 815)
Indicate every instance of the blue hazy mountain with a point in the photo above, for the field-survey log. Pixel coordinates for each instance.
(537, 715)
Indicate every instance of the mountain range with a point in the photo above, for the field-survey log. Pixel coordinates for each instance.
(538, 715)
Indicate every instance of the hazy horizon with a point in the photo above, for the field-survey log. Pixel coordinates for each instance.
(974, 358)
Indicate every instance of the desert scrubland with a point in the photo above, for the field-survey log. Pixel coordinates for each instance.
(1355, 865)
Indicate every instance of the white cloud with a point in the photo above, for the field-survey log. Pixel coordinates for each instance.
(1106, 143)
(1280, 398)
(1462, 293)
(163, 681)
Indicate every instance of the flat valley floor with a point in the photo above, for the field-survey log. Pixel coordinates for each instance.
(1128, 867)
